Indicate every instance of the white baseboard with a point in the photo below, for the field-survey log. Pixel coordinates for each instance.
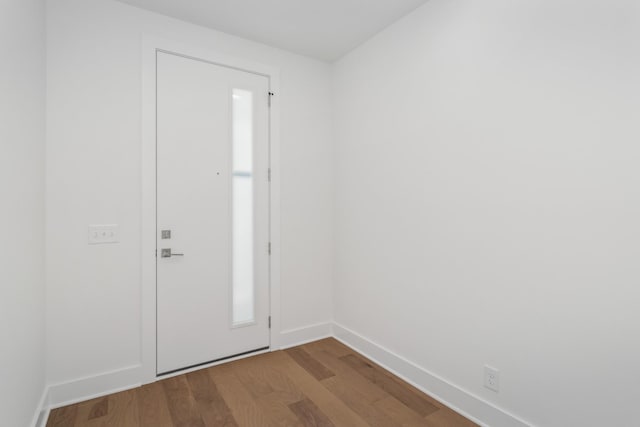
(42, 411)
(82, 389)
(456, 398)
(299, 336)
(87, 388)
(68, 393)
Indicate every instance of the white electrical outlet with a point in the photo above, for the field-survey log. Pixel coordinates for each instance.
(101, 234)
(491, 378)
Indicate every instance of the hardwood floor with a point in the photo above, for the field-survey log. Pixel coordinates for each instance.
(320, 384)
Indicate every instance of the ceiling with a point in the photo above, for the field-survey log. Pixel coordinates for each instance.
(323, 29)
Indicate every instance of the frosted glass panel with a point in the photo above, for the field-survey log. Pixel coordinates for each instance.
(243, 289)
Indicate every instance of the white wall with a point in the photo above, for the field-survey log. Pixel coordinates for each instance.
(487, 201)
(94, 177)
(22, 130)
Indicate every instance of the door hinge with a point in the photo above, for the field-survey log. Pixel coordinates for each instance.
(269, 322)
(269, 174)
(269, 248)
(270, 95)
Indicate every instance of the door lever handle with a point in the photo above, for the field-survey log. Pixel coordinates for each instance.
(166, 253)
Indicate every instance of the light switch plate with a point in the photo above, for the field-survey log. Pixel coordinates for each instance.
(102, 234)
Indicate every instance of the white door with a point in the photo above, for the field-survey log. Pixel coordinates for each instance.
(212, 212)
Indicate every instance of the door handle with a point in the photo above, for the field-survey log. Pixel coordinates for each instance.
(166, 253)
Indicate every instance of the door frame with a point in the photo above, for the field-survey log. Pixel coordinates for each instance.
(150, 46)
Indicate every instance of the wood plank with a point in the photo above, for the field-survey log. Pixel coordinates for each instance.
(153, 408)
(359, 403)
(395, 387)
(99, 409)
(339, 413)
(253, 378)
(400, 412)
(311, 365)
(310, 414)
(182, 406)
(329, 345)
(272, 390)
(92, 412)
(280, 389)
(63, 417)
(212, 407)
(350, 351)
(276, 408)
(371, 391)
(123, 410)
(283, 386)
(119, 409)
(238, 399)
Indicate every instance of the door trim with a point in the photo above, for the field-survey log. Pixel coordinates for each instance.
(150, 45)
